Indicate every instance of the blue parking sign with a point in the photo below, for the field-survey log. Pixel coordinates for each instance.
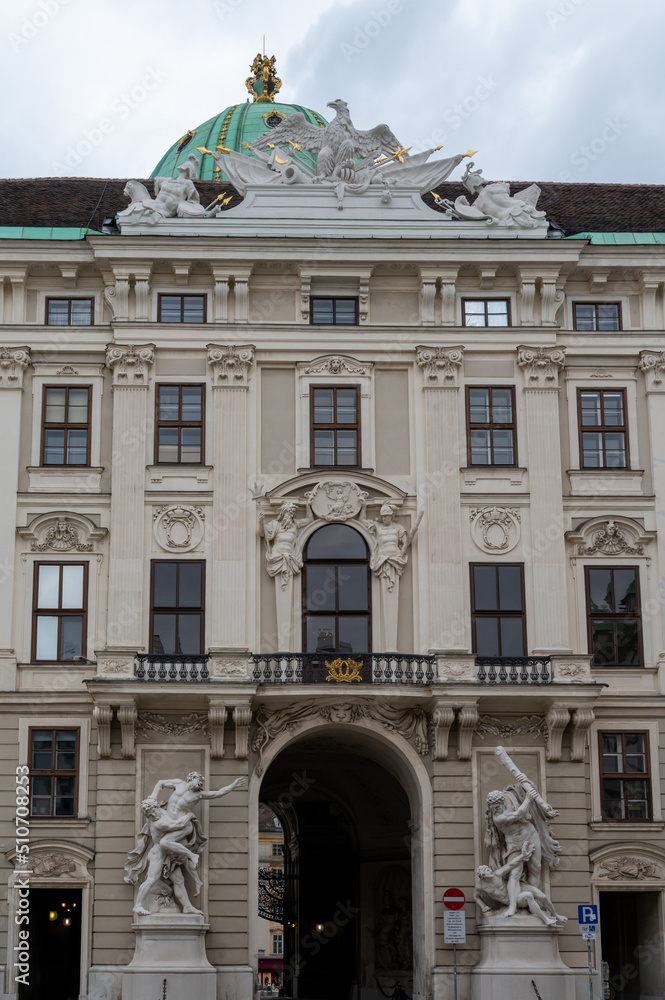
(587, 914)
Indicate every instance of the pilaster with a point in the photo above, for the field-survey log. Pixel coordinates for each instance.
(441, 371)
(131, 431)
(13, 364)
(546, 551)
(230, 369)
(17, 280)
(652, 365)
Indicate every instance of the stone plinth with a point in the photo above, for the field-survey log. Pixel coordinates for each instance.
(516, 950)
(172, 947)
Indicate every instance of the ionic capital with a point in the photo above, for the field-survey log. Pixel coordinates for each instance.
(441, 366)
(230, 365)
(130, 365)
(541, 366)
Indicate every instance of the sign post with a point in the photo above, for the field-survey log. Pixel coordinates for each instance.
(587, 916)
(454, 924)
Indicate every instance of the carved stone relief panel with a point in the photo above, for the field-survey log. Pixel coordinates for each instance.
(336, 500)
(178, 527)
(495, 529)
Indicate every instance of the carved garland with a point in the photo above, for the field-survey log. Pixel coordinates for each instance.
(152, 722)
(628, 869)
(534, 726)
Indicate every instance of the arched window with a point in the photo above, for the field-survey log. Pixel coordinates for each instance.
(336, 592)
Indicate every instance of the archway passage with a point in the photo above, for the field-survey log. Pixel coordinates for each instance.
(347, 858)
(55, 945)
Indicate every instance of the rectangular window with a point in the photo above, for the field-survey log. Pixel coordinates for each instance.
(491, 433)
(177, 608)
(66, 425)
(53, 758)
(497, 603)
(59, 611)
(603, 431)
(277, 850)
(182, 309)
(597, 315)
(486, 312)
(613, 610)
(277, 944)
(626, 784)
(335, 425)
(334, 311)
(69, 312)
(179, 424)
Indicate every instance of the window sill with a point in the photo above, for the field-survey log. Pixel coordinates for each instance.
(65, 478)
(629, 826)
(335, 468)
(189, 473)
(586, 482)
(472, 474)
(60, 821)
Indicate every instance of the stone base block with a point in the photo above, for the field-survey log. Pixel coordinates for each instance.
(513, 952)
(170, 947)
(235, 982)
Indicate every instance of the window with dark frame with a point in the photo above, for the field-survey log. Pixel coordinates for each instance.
(337, 592)
(614, 616)
(335, 425)
(277, 850)
(597, 315)
(333, 311)
(181, 309)
(59, 612)
(625, 775)
(486, 312)
(69, 312)
(179, 424)
(66, 425)
(602, 427)
(177, 608)
(277, 944)
(497, 608)
(491, 432)
(53, 766)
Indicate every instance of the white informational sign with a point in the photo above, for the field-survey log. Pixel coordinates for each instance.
(589, 934)
(454, 926)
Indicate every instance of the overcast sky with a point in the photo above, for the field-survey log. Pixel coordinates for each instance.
(544, 89)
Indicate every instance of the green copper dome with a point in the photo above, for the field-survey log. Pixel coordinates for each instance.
(236, 127)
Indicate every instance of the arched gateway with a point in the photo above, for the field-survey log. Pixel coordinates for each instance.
(355, 804)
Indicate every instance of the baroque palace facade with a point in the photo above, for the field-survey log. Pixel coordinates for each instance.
(334, 490)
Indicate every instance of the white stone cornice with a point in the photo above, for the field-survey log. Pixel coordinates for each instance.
(441, 366)
(652, 363)
(130, 365)
(230, 365)
(13, 363)
(541, 366)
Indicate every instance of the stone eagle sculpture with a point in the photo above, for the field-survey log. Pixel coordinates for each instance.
(339, 145)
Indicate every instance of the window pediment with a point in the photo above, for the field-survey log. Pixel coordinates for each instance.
(610, 536)
(62, 531)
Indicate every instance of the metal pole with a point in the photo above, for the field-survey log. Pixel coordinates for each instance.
(455, 969)
(588, 944)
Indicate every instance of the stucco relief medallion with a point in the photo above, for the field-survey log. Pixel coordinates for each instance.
(495, 529)
(53, 865)
(179, 527)
(336, 501)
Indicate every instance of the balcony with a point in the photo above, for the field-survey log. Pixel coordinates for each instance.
(156, 667)
(513, 670)
(338, 668)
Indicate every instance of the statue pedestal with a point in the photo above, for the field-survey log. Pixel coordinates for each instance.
(516, 950)
(170, 946)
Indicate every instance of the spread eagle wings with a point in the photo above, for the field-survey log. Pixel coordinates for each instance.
(380, 139)
(295, 128)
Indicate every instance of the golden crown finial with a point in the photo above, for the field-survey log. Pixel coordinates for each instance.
(263, 84)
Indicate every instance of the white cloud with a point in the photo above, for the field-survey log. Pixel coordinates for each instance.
(540, 92)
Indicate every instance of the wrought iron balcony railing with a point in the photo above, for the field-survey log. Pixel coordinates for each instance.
(341, 668)
(513, 670)
(156, 667)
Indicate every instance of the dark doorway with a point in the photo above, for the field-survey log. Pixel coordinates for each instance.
(347, 865)
(55, 945)
(632, 945)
